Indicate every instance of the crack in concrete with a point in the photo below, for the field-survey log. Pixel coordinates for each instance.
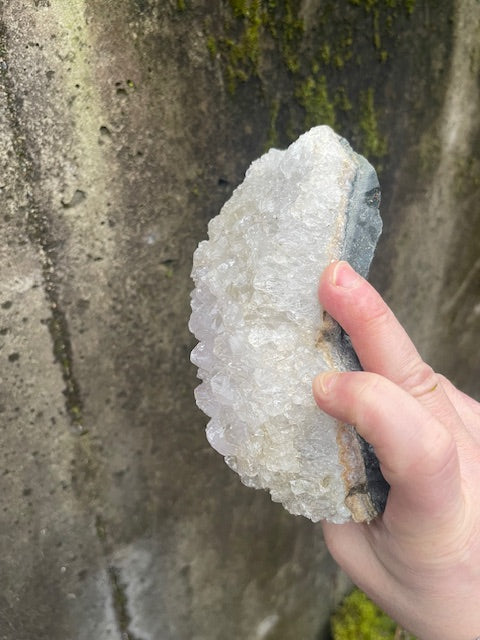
(118, 589)
(39, 234)
(120, 603)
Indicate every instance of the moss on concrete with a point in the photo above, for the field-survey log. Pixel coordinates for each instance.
(383, 14)
(272, 138)
(319, 62)
(407, 5)
(212, 46)
(374, 145)
(251, 23)
(358, 618)
(313, 95)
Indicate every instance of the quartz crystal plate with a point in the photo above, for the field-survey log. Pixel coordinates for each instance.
(263, 336)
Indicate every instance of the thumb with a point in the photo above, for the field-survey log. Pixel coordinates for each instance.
(417, 454)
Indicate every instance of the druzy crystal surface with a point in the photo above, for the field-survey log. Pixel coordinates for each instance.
(263, 336)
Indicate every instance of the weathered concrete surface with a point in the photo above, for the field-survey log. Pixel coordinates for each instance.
(118, 520)
(123, 128)
(430, 254)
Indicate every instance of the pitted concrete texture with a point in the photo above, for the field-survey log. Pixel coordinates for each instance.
(119, 140)
(118, 521)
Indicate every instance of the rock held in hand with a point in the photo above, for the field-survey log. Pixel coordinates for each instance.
(263, 336)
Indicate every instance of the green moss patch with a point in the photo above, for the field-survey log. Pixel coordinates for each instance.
(333, 60)
(358, 618)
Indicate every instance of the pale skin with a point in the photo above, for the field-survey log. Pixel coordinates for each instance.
(420, 560)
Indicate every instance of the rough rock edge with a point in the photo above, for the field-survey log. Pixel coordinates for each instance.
(358, 500)
(366, 488)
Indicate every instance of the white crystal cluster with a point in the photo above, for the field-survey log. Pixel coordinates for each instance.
(261, 331)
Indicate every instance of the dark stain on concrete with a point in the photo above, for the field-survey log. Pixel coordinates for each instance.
(38, 232)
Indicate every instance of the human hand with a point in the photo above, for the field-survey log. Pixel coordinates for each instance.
(420, 560)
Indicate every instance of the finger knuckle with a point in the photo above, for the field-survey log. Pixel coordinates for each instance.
(419, 380)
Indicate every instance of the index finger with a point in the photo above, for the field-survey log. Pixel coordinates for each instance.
(379, 340)
(381, 343)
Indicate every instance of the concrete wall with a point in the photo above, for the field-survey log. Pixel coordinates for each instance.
(124, 126)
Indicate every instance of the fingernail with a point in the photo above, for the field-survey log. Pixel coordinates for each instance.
(325, 381)
(344, 276)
